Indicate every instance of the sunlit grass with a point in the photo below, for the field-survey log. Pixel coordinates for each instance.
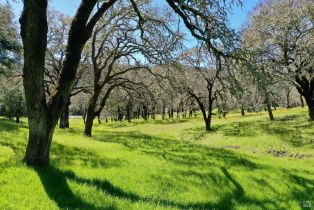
(170, 164)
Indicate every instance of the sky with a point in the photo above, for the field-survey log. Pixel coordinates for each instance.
(237, 18)
(239, 15)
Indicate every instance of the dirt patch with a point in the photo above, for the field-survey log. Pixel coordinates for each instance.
(283, 153)
(231, 147)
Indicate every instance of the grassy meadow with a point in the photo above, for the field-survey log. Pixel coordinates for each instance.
(246, 162)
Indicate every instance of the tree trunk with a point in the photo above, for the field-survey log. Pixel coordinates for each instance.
(306, 89)
(138, 112)
(64, 118)
(208, 124)
(17, 119)
(89, 125)
(163, 112)
(145, 112)
(190, 113)
(90, 115)
(270, 112)
(302, 101)
(153, 113)
(310, 104)
(242, 112)
(206, 120)
(128, 114)
(120, 114)
(99, 118)
(34, 35)
(38, 147)
(311, 112)
(209, 116)
(288, 99)
(43, 116)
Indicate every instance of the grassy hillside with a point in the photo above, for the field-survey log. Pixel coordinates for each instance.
(244, 163)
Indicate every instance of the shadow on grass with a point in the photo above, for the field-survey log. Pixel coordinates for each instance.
(175, 152)
(195, 134)
(293, 129)
(141, 122)
(62, 155)
(239, 129)
(57, 188)
(10, 125)
(306, 196)
(235, 129)
(65, 198)
(182, 153)
(178, 152)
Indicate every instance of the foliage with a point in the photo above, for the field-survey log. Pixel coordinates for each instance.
(279, 40)
(9, 44)
(12, 103)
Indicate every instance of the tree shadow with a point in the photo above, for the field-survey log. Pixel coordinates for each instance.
(293, 129)
(64, 155)
(239, 129)
(226, 201)
(178, 152)
(234, 129)
(197, 133)
(136, 122)
(65, 198)
(55, 184)
(170, 121)
(10, 125)
(305, 196)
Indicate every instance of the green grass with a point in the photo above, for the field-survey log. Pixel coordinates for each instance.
(166, 164)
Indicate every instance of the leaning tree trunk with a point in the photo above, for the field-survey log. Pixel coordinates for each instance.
(210, 114)
(99, 118)
(206, 120)
(64, 118)
(42, 115)
(310, 104)
(306, 89)
(90, 114)
(307, 94)
(89, 123)
(270, 112)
